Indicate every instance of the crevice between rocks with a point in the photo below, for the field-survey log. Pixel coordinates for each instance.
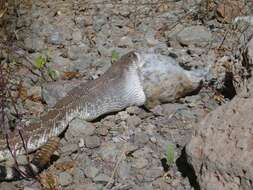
(187, 170)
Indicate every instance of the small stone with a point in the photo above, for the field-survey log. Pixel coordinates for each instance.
(55, 38)
(36, 44)
(102, 178)
(133, 121)
(194, 35)
(69, 148)
(81, 143)
(65, 179)
(77, 36)
(133, 110)
(140, 163)
(125, 42)
(109, 152)
(92, 142)
(123, 115)
(91, 171)
(35, 91)
(80, 128)
(7, 186)
(30, 188)
(141, 138)
(153, 139)
(102, 131)
(124, 171)
(153, 173)
(34, 107)
(76, 52)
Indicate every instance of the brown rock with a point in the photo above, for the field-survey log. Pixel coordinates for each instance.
(228, 10)
(221, 150)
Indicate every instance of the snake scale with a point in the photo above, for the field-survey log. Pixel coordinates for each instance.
(118, 88)
(132, 80)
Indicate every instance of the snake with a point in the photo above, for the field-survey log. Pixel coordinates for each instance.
(124, 84)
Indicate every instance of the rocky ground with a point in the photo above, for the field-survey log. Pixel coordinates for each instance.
(77, 41)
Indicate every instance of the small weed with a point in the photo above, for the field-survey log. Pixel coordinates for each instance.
(115, 56)
(170, 157)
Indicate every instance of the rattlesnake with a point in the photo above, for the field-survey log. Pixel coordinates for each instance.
(122, 85)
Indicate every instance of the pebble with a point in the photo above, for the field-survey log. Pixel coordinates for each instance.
(102, 178)
(65, 179)
(55, 38)
(91, 171)
(69, 148)
(92, 141)
(103, 131)
(194, 35)
(80, 128)
(153, 173)
(109, 152)
(140, 138)
(140, 163)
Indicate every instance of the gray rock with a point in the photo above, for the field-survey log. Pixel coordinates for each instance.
(125, 41)
(133, 121)
(102, 131)
(34, 43)
(91, 171)
(34, 107)
(77, 36)
(76, 52)
(221, 148)
(89, 186)
(102, 178)
(80, 128)
(194, 35)
(140, 163)
(150, 37)
(109, 152)
(30, 188)
(124, 171)
(92, 141)
(153, 173)
(55, 38)
(7, 186)
(99, 21)
(65, 179)
(140, 138)
(35, 90)
(69, 148)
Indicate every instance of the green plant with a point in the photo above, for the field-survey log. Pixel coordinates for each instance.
(41, 63)
(170, 157)
(115, 56)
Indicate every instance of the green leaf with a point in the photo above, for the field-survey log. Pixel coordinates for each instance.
(54, 74)
(170, 154)
(115, 56)
(40, 62)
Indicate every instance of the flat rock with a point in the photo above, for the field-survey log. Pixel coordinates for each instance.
(102, 178)
(79, 128)
(92, 142)
(65, 179)
(194, 35)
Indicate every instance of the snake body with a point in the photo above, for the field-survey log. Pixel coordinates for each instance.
(127, 82)
(118, 88)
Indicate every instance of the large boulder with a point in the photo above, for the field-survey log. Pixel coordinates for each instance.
(221, 149)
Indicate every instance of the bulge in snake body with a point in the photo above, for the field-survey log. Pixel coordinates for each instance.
(134, 78)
